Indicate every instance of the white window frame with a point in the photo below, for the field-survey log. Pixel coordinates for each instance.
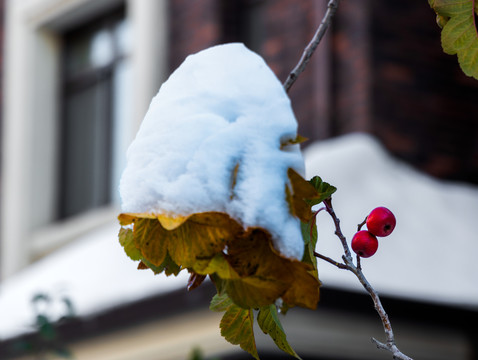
(31, 114)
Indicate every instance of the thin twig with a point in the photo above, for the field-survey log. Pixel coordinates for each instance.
(338, 231)
(359, 266)
(347, 257)
(309, 50)
(332, 261)
(357, 270)
(359, 226)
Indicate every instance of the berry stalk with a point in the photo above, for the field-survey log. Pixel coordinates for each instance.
(348, 264)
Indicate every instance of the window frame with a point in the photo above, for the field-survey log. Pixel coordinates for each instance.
(72, 85)
(32, 109)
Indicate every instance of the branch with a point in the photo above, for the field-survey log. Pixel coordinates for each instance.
(309, 50)
(332, 261)
(357, 270)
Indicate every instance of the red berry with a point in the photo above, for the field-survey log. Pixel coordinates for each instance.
(364, 244)
(381, 221)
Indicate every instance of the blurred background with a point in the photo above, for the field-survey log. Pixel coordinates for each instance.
(77, 79)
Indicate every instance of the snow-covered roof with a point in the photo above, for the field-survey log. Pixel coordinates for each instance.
(93, 272)
(431, 255)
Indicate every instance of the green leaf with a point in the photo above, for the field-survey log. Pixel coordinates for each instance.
(237, 328)
(220, 302)
(168, 266)
(268, 320)
(324, 189)
(126, 240)
(45, 328)
(309, 234)
(459, 35)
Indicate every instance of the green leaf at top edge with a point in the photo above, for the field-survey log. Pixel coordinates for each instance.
(459, 31)
(268, 320)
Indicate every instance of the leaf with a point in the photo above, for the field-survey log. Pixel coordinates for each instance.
(251, 271)
(191, 244)
(128, 218)
(200, 238)
(265, 275)
(459, 33)
(219, 265)
(195, 280)
(237, 328)
(126, 240)
(171, 222)
(148, 237)
(304, 290)
(169, 267)
(324, 190)
(309, 234)
(220, 302)
(300, 197)
(299, 139)
(268, 320)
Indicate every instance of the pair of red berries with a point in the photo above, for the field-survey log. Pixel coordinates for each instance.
(380, 222)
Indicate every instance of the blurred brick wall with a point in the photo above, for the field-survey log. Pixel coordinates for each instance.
(424, 106)
(286, 27)
(194, 26)
(380, 69)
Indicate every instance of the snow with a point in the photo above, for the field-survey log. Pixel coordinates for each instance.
(430, 256)
(93, 272)
(221, 108)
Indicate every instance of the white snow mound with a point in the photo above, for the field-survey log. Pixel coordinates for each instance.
(222, 107)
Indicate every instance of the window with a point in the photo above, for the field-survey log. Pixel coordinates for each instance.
(45, 115)
(95, 103)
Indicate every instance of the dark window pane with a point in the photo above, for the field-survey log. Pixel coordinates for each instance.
(87, 155)
(92, 55)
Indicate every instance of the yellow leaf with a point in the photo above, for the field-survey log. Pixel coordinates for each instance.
(250, 269)
(129, 218)
(304, 290)
(266, 275)
(298, 140)
(301, 190)
(149, 237)
(171, 222)
(200, 238)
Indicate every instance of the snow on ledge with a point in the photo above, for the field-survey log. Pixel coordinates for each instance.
(93, 272)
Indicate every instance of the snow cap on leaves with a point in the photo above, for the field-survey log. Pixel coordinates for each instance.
(218, 137)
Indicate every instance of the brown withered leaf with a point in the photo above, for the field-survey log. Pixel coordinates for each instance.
(195, 280)
(142, 266)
